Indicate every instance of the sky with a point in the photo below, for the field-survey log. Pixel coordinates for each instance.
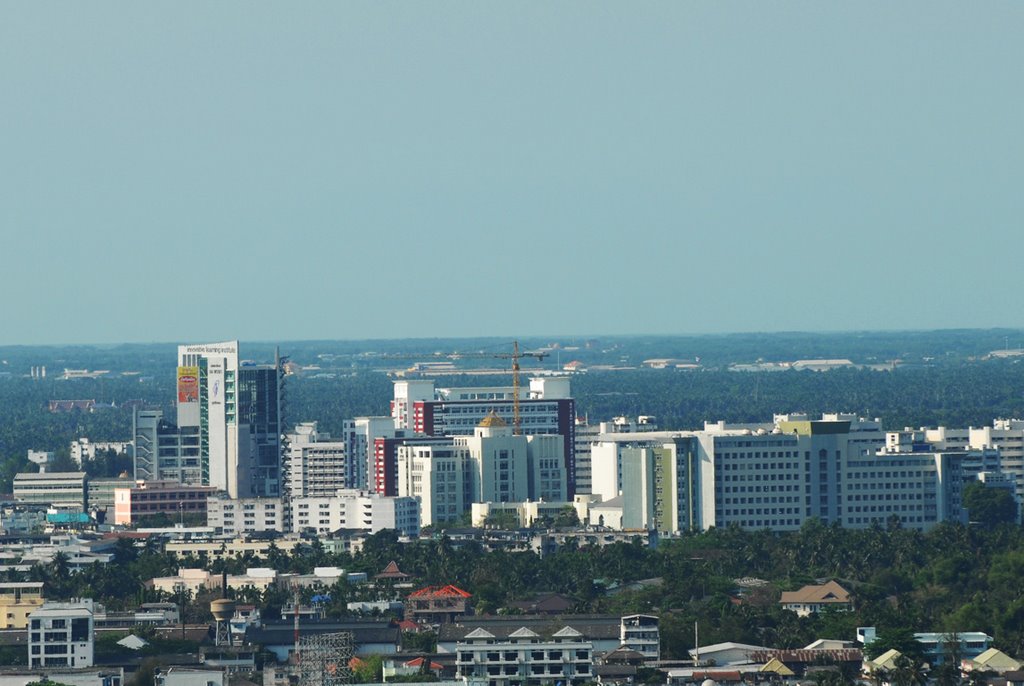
(183, 171)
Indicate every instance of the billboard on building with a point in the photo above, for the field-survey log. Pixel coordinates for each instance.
(188, 384)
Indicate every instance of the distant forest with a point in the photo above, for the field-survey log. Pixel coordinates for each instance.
(947, 380)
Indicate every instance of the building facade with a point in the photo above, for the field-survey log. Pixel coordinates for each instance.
(317, 466)
(836, 469)
(491, 465)
(63, 489)
(525, 657)
(546, 408)
(61, 635)
(245, 515)
(354, 509)
(164, 451)
(84, 450)
(170, 498)
(236, 408)
(17, 601)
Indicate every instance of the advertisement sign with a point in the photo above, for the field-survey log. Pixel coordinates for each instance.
(188, 384)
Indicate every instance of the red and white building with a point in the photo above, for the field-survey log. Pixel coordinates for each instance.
(546, 407)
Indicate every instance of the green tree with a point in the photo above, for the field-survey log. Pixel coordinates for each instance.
(989, 506)
(369, 670)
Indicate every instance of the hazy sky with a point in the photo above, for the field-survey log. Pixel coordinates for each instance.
(192, 171)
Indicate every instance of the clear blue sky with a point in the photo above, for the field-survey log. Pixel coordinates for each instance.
(191, 171)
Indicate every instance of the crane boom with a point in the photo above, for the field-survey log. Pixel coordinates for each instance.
(515, 356)
(517, 419)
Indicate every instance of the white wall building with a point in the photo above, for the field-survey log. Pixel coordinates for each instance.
(491, 465)
(777, 475)
(525, 657)
(587, 434)
(439, 477)
(61, 635)
(64, 489)
(317, 466)
(236, 407)
(84, 449)
(545, 408)
(1006, 435)
(353, 509)
(641, 633)
(245, 515)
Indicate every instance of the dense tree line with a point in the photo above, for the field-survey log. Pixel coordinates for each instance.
(953, 578)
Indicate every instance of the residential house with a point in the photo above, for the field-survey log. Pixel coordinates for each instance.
(812, 599)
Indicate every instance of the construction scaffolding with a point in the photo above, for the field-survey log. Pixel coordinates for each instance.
(324, 659)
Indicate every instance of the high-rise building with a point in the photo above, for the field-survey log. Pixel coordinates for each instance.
(491, 465)
(587, 434)
(317, 465)
(164, 451)
(383, 472)
(236, 406)
(545, 408)
(838, 469)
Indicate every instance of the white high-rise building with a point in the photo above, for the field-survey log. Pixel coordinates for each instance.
(492, 465)
(237, 409)
(1006, 435)
(838, 469)
(546, 407)
(317, 465)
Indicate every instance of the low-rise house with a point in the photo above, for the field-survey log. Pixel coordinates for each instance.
(886, 662)
(992, 660)
(602, 631)
(800, 660)
(526, 657)
(972, 644)
(813, 599)
(437, 604)
(728, 653)
(17, 601)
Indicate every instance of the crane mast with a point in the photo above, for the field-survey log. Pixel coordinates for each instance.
(517, 420)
